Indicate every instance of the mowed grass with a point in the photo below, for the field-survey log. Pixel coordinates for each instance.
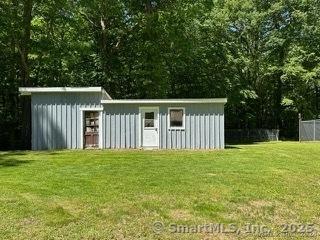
(114, 194)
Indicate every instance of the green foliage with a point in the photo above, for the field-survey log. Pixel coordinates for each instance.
(259, 54)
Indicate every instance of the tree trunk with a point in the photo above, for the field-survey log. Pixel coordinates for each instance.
(23, 48)
(25, 42)
(317, 110)
(148, 6)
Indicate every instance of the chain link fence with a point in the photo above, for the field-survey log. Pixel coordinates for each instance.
(251, 135)
(309, 130)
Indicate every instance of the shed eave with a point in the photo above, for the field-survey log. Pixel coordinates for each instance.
(30, 90)
(159, 101)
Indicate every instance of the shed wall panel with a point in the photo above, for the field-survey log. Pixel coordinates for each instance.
(56, 119)
(204, 126)
(56, 123)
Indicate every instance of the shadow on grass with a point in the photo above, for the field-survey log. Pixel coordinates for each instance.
(50, 153)
(232, 147)
(236, 145)
(12, 162)
(8, 159)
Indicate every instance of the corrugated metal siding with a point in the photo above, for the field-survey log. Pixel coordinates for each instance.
(121, 126)
(56, 122)
(204, 127)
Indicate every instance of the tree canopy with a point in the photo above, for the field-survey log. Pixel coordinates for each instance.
(264, 56)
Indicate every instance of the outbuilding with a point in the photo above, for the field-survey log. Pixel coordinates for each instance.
(77, 118)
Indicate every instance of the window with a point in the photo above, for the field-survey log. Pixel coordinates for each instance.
(149, 119)
(176, 118)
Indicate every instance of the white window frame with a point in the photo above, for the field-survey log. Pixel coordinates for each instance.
(183, 118)
(94, 109)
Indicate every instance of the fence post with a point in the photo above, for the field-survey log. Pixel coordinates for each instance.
(314, 130)
(299, 127)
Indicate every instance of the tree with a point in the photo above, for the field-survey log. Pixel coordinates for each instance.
(262, 55)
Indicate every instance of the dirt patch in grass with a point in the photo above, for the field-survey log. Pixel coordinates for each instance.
(31, 221)
(256, 209)
(181, 215)
(260, 203)
(73, 207)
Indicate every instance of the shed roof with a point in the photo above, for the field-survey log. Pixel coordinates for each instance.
(177, 100)
(106, 99)
(30, 90)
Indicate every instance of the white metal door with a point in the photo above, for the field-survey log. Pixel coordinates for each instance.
(149, 127)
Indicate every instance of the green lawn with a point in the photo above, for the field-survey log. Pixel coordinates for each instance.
(120, 194)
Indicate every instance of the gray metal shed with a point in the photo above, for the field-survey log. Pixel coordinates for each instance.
(77, 118)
